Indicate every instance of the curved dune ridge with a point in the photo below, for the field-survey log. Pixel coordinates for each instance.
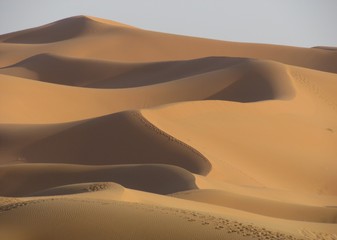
(62, 30)
(235, 83)
(125, 138)
(108, 131)
(252, 146)
(108, 74)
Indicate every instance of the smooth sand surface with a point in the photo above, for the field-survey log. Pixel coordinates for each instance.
(108, 131)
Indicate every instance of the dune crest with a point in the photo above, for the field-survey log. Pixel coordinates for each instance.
(106, 21)
(61, 30)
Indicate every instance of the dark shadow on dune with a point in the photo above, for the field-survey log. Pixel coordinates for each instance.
(247, 90)
(105, 74)
(121, 138)
(256, 86)
(155, 178)
(63, 70)
(161, 72)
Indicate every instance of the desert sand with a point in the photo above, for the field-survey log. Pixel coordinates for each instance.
(108, 131)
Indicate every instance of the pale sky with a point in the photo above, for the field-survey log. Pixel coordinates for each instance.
(304, 23)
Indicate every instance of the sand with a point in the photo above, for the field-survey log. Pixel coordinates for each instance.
(108, 131)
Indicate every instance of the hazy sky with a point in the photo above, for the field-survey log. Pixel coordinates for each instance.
(287, 22)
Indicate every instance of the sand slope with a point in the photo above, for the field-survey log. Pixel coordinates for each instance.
(109, 74)
(234, 83)
(252, 147)
(108, 131)
(262, 206)
(143, 214)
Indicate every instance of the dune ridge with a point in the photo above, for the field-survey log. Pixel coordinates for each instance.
(147, 46)
(126, 138)
(109, 131)
(74, 103)
(61, 30)
(109, 74)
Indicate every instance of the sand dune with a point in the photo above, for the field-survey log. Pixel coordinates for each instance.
(126, 138)
(169, 218)
(70, 37)
(108, 74)
(62, 30)
(257, 150)
(71, 104)
(277, 209)
(157, 178)
(108, 131)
